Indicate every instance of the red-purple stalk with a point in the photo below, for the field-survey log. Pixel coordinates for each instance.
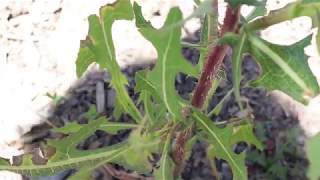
(215, 58)
(209, 72)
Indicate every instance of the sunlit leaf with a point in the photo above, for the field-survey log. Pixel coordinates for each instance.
(67, 156)
(153, 106)
(237, 56)
(170, 60)
(109, 127)
(68, 128)
(222, 143)
(99, 48)
(284, 68)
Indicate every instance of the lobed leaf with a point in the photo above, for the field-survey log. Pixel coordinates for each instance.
(223, 140)
(245, 133)
(170, 61)
(284, 68)
(153, 106)
(98, 47)
(67, 156)
(109, 127)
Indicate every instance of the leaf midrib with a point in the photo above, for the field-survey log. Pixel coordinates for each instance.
(164, 73)
(77, 160)
(220, 143)
(120, 89)
(279, 61)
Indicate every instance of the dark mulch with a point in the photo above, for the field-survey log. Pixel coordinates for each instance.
(283, 157)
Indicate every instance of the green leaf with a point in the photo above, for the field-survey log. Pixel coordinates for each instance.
(279, 170)
(85, 58)
(259, 10)
(68, 128)
(165, 171)
(257, 157)
(312, 150)
(153, 106)
(235, 3)
(56, 99)
(155, 112)
(170, 60)
(284, 68)
(189, 146)
(318, 40)
(114, 127)
(142, 147)
(230, 39)
(309, 1)
(142, 83)
(245, 133)
(293, 10)
(83, 173)
(109, 127)
(92, 113)
(316, 23)
(204, 8)
(237, 54)
(98, 47)
(217, 109)
(223, 140)
(67, 155)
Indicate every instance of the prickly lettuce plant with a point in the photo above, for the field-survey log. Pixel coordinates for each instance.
(168, 125)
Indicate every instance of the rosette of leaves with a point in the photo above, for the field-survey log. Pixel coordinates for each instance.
(165, 114)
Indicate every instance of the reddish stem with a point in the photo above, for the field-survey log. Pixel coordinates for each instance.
(215, 58)
(211, 66)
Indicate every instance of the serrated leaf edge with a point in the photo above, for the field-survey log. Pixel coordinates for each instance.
(195, 115)
(278, 60)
